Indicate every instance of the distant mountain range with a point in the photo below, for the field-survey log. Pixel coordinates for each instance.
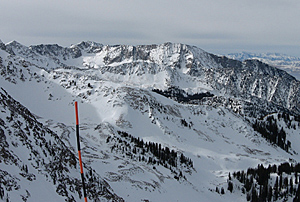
(288, 63)
(162, 122)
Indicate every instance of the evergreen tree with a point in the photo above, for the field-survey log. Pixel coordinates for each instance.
(243, 190)
(265, 191)
(270, 194)
(291, 186)
(285, 182)
(276, 187)
(243, 177)
(248, 197)
(217, 190)
(297, 197)
(280, 182)
(222, 191)
(254, 195)
(230, 186)
(248, 185)
(261, 195)
(1, 192)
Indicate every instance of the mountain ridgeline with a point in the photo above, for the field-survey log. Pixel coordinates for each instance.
(250, 80)
(156, 119)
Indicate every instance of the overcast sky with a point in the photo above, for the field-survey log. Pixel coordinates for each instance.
(217, 26)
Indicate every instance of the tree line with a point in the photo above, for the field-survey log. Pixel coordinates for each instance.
(271, 132)
(180, 95)
(270, 183)
(150, 152)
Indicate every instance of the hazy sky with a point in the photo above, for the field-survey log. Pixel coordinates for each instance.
(217, 26)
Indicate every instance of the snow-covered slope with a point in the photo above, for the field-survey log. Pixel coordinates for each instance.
(288, 63)
(35, 163)
(158, 122)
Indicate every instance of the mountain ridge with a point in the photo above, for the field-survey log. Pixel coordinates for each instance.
(179, 61)
(285, 62)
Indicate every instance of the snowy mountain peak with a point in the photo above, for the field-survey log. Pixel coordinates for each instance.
(54, 50)
(88, 46)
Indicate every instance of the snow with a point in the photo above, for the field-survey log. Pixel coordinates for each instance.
(94, 61)
(218, 142)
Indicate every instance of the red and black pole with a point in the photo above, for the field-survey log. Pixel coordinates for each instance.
(79, 153)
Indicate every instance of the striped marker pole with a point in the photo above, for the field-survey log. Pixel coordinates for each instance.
(79, 153)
